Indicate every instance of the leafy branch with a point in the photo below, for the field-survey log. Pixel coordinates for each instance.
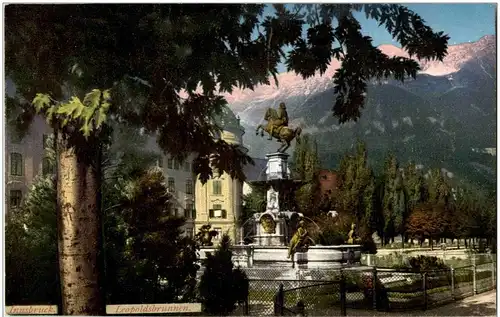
(88, 115)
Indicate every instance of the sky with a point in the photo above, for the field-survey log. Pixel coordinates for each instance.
(463, 22)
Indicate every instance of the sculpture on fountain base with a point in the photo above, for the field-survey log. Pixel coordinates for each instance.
(268, 224)
(300, 240)
(352, 236)
(205, 235)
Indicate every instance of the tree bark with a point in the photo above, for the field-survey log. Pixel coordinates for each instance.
(79, 234)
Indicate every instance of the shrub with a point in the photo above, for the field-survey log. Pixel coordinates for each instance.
(31, 261)
(221, 286)
(363, 282)
(331, 231)
(368, 245)
(148, 260)
(427, 263)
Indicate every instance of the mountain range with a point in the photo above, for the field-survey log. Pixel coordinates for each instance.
(444, 118)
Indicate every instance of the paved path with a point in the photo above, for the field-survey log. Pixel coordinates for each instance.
(480, 305)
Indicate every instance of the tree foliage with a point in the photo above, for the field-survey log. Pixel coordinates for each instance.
(394, 200)
(426, 222)
(403, 201)
(221, 285)
(253, 202)
(357, 189)
(155, 52)
(305, 167)
(31, 268)
(156, 263)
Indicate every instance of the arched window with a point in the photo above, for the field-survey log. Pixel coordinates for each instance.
(16, 164)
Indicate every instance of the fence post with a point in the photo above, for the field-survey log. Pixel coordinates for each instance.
(301, 308)
(424, 288)
(342, 294)
(474, 279)
(452, 273)
(279, 302)
(374, 287)
(246, 307)
(299, 284)
(493, 283)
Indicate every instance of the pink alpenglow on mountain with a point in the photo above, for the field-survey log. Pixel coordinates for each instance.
(291, 84)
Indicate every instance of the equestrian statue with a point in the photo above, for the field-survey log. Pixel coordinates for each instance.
(277, 127)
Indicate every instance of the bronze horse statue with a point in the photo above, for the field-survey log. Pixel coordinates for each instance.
(283, 134)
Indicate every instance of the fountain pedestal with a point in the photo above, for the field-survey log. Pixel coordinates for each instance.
(270, 229)
(270, 226)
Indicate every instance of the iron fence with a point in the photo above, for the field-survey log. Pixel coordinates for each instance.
(335, 293)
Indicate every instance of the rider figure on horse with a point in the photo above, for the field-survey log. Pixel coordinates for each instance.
(280, 121)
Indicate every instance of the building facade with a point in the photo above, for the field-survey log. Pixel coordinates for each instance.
(219, 201)
(180, 178)
(24, 160)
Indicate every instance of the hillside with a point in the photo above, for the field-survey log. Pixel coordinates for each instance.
(435, 120)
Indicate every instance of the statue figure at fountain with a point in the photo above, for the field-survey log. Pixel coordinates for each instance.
(300, 239)
(205, 235)
(352, 236)
(272, 200)
(277, 127)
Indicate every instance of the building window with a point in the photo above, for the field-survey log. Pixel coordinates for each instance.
(47, 167)
(188, 212)
(217, 187)
(159, 162)
(15, 198)
(189, 187)
(16, 164)
(171, 185)
(187, 167)
(170, 163)
(217, 212)
(177, 165)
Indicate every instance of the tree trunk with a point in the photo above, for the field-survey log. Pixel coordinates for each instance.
(79, 234)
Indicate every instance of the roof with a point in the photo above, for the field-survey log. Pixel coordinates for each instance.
(255, 172)
(227, 120)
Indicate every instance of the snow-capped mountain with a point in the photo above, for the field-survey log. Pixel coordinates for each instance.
(436, 119)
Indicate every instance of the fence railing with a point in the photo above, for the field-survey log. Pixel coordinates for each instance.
(338, 292)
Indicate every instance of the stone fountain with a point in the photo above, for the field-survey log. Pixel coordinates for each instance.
(273, 228)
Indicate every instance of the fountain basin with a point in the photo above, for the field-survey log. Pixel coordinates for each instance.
(277, 256)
